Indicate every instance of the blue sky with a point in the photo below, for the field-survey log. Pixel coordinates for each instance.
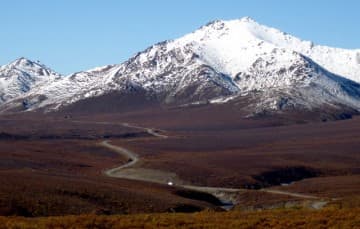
(75, 35)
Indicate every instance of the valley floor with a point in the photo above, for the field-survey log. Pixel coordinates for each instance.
(55, 166)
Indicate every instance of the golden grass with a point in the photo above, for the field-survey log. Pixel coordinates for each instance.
(327, 218)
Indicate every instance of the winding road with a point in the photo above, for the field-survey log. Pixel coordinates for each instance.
(226, 195)
(132, 158)
(127, 171)
(148, 130)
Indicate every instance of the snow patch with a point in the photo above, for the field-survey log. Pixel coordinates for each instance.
(223, 99)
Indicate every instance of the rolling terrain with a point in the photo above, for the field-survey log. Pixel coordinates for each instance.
(251, 167)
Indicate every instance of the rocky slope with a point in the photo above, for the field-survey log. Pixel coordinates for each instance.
(21, 76)
(220, 62)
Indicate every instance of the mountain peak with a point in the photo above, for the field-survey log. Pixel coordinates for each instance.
(21, 75)
(25, 62)
(22, 61)
(218, 22)
(219, 59)
(25, 65)
(248, 19)
(232, 46)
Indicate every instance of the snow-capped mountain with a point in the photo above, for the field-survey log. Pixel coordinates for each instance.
(22, 75)
(220, 62)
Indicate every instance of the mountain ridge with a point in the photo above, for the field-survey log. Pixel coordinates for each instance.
(220, 61)
(21, 75)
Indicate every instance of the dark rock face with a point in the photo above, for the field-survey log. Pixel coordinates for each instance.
(174, 76)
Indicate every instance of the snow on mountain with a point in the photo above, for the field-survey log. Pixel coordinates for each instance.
(20, 76)
(68, 89)
(232, 46)
(219, 62)
(297, 82)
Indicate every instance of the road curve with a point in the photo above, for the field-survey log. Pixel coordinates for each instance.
(299, 195)
(216, 191)
(148, 130)
(132, 158)
(224, 194)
